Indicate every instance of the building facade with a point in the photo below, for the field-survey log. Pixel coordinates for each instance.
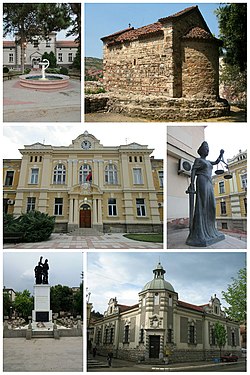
(182, 145)
(88, 185)
(231, 194)
(161, 327)
(64, 50)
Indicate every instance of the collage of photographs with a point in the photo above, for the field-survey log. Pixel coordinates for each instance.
(124, 150)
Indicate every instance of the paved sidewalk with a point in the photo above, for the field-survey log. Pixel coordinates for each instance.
(176, 240)
(29, 105)
(105, 241)
(40, 355)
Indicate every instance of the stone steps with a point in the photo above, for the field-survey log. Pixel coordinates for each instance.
(93, 363)
(85, 232)
(42, 334)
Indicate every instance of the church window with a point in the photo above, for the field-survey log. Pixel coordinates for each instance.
(137, 176)
(9, 178)
(112, 208)
(140, 207)
(34, 176)
(59, 174)
(58, 206)
(85, 174)
(111, 174)
(31, 204)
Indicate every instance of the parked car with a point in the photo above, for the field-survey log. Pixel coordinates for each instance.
(229, 358)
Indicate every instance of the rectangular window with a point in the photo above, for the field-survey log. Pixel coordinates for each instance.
(141, 335)
(140, 207)
(221, 187)
(34, 176)
(137, 176)
(244, 181)
(60, 57)
(35, 43)
(106, 335)
(169, 335)
(11, 57)
(47, 43)
(9, 178)
(161, 178)
(126, 334)
(213, 341)
(58, 206)
(98, 341)
(31, 204)
(233, 339)
(112, 209)
(223, 208)
(70, 57)
(191, 335)
(111, 339)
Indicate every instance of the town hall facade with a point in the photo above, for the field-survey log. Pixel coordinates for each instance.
(87, 185)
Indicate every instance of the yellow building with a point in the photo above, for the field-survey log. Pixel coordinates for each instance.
(231, 195)
(88, 185)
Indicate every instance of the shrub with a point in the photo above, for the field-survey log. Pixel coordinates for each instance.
(27, 70)
(5, 69)
(36, 226)
(64, 71)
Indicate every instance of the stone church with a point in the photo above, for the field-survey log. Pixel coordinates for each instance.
(87, 185)
(162, 327)
(165, 70)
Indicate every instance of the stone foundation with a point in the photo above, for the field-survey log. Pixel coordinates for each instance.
(158, 108)
(132, 228)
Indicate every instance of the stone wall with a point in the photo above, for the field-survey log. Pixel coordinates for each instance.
(95, 103)
(132, 228)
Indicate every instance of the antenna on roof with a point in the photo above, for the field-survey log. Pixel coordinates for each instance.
(129, 25)
(43, 141)
(126, 140)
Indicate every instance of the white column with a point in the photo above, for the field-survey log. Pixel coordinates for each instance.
(71, 210)
(76, 212)
(100, 211)
(94, 211)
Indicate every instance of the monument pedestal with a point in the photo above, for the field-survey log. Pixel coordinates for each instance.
(42, 315)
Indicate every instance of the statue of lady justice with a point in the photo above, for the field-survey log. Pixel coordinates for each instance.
(202, 230)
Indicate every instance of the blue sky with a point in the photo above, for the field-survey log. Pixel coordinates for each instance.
(102, 19)
(195, 276)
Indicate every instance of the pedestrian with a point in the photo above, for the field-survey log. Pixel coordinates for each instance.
(109, 358)
(94, 350)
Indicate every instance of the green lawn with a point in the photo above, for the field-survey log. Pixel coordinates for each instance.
(146, 237)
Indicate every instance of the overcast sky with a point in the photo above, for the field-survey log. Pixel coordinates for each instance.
(15, 137)
(194, 276)
(18, 269)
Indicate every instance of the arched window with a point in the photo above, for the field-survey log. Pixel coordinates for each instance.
(85, 174)
(59, 174)
(111, 174)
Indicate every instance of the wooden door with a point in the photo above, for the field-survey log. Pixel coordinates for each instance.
(154, 346)
(85, 218)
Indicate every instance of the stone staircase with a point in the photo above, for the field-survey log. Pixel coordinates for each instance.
(85, 232)
(94, 363)
(42, 334)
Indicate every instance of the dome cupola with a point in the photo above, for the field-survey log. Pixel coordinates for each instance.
(158, 282)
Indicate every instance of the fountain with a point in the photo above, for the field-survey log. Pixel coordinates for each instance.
(44, 81)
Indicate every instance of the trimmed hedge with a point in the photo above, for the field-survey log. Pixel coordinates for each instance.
(36, 226)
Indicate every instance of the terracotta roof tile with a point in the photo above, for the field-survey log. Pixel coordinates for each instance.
(117, 33)
(178, 14)
(190, 306)
(9, 43)
(66, 43)
(124, 308)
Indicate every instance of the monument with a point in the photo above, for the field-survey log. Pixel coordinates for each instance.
(202, 206)
(42, 315)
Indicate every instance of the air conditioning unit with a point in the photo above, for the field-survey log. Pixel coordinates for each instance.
(10, 201)
(185, 167)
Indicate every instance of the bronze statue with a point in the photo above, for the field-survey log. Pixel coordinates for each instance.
(41, 272)
(202, 230)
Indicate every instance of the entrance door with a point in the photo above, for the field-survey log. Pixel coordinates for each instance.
(85, 216)
(154, 346)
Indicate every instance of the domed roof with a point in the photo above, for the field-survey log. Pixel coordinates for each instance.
(158, 282)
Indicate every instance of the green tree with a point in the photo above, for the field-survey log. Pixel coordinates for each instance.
(29, 20)
(51, 58)
(232, 20)
(6, 304)
(220, 335)
(78, 301)
(236, 297)
(61, 299)
(23, 303)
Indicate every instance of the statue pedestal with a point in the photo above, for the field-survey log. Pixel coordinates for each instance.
(41, 315)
